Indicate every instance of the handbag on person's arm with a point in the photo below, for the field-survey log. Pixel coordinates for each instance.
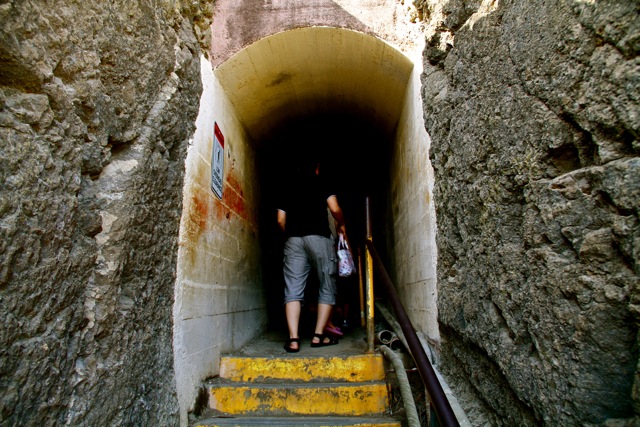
(346, 266)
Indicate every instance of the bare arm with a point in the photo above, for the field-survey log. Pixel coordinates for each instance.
(282, 219)
(336, 212)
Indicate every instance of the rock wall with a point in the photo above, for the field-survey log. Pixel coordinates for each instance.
(97, 101)
(533, 109)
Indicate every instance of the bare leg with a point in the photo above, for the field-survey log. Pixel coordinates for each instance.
(324, 311)
(292, 311)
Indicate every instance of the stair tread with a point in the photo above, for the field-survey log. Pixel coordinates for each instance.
(315, 368)
(300, 421)
(291, 384)
(301, 356)
(270, 344)
(341, 399)
(328, 386)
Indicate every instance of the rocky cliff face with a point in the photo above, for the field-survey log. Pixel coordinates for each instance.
(533, 107)
(97, 101)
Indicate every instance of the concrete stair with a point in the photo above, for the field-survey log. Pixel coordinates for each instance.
(299, 390)
(300, 422)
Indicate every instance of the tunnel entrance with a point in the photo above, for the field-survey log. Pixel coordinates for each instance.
(352, 97)
(355, 157)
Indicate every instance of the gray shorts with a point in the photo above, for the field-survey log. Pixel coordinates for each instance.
(301, 255)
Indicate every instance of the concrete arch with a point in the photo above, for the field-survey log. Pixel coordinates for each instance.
(309, 71)
(238, 24)
(221, 300)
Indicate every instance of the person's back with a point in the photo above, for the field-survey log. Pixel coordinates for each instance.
(302, 216)
(305, 202)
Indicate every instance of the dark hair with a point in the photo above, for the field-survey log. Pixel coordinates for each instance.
(307, 161)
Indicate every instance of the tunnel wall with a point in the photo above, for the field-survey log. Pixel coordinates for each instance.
(220, 301)
(532, 107)
(412, 227)
(97, 102)
(412, 218)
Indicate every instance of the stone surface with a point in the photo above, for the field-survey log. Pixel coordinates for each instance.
(532, 107)
(238, 24)
(97, 101)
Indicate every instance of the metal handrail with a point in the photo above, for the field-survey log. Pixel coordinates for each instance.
(441, 405)
(370, 300)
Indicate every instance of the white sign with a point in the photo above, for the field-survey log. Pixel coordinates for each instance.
(217, 161)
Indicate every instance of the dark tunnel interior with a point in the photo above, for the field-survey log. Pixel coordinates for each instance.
(355, 156)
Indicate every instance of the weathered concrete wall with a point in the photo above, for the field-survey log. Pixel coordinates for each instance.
(220, 301)
(412, 227)
(532, 106)
(97, 101)
(238, 24)
(410, 232)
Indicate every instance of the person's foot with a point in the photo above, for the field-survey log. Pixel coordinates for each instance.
(320, 340)
(292, 345)
(333, 331)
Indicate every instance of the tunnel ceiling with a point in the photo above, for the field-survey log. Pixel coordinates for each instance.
(314, 71)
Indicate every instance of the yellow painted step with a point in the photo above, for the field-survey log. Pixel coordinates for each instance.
(366, 367)
(339, 399)
(379, 421)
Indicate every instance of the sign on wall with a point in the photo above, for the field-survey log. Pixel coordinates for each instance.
(217, 161)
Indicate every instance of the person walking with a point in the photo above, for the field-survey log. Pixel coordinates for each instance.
(302, 216)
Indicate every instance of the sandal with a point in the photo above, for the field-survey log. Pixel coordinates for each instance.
(322, 343)
(287, 345)
(333, 331)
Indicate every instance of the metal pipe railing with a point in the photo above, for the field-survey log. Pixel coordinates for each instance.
(369, 282)
(363, 316)
(441, 405)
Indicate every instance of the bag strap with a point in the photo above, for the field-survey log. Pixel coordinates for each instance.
(342, 242)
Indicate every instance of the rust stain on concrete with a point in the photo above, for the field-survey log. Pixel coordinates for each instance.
(234, 196)
(200, 212)
(195, 223)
